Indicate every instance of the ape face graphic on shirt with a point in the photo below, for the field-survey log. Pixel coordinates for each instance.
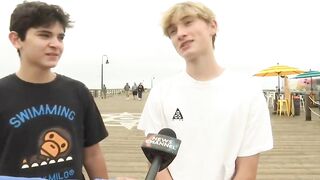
(54, 147)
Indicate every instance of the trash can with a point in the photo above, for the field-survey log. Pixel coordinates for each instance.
(296, 105)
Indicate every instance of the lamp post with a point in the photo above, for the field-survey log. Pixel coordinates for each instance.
(107, 62)
(152, 82)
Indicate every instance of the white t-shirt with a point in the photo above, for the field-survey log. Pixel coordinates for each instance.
(216, 120)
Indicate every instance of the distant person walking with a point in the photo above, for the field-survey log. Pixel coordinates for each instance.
(134, 91)
(127, 89)
(140, 91)
(104, 92)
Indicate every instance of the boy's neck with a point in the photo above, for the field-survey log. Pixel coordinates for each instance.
(204, 68)
(36, 76)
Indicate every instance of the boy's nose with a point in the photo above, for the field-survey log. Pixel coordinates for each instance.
(55, 42)
(181, 33)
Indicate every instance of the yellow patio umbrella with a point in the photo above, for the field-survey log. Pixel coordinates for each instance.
(280, 71)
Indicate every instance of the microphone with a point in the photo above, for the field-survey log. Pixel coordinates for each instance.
(160, 149)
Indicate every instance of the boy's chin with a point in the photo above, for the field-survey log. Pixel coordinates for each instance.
(50, 66)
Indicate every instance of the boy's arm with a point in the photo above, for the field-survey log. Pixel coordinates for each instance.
(94, 162)
(246, 168)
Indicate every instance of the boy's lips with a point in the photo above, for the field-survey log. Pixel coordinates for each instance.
(185, 43)
(52, 54)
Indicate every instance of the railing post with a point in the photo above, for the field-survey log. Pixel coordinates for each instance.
(307, 106)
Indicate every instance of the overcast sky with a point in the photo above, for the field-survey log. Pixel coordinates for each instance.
(252, 35)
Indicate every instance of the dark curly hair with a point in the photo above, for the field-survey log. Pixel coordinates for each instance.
(35, 14)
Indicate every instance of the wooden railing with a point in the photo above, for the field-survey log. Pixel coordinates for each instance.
(311, 102)
(109, 92)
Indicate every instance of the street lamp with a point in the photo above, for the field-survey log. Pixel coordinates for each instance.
(107, 62)
(152, 81)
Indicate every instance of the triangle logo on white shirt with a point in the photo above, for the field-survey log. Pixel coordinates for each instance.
(177, 115)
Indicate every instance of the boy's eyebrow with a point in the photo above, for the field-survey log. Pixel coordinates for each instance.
(185, 17)
(49, 32)
(43, 31)
(180, 19)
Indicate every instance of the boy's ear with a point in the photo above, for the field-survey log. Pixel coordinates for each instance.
(213, 25)
(15, 39)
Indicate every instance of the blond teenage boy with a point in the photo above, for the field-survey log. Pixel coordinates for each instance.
(222, 129)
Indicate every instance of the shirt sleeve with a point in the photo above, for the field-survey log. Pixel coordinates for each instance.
(152, 114)
(94, 128)
(258, 131)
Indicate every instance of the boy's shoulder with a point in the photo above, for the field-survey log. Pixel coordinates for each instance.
(5, 80)
(69, 80)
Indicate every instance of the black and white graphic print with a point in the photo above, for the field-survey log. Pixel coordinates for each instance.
(177, 115)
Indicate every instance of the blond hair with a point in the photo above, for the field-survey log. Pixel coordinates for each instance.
(189, 8)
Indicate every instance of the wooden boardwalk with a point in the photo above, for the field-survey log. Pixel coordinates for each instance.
(296, 153)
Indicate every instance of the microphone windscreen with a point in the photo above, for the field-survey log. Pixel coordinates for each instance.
(168, 132)
(164, 145)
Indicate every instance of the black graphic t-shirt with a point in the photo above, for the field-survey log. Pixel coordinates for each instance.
(44, 127)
